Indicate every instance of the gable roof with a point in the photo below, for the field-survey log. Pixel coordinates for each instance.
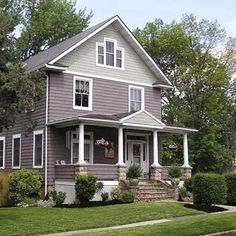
(53, 54)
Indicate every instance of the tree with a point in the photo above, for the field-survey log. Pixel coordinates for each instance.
(47, 23)
(199, 60)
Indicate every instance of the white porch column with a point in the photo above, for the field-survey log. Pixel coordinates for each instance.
(81, 144)
(185, 144)
(155, 149)
(120, 148)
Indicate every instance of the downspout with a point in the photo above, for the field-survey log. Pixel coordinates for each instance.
(46, 141)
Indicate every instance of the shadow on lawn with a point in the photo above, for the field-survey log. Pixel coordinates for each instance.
(205, 208)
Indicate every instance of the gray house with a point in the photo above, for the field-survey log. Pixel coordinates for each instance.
(101, 112)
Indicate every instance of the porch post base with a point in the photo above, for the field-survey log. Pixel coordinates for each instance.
(81, 169)
(186, 172)
(155, 172)
(121, 172)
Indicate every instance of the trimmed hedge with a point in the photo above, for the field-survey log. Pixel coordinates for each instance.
(24, 185)
(85, 187)
(230, 179)
(208, 189)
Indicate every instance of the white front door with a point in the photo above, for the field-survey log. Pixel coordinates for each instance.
(137, 154)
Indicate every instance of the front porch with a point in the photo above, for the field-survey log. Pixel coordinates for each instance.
(132, 139)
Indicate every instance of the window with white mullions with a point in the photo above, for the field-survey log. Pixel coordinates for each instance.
(110, 53)
(136, 99)
(82, 94)
(38, 149)
(119, 58)
(16, 151)
(2, 152)
(100, 54)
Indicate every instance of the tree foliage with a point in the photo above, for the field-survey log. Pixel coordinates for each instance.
(199, 60)
(42, 24)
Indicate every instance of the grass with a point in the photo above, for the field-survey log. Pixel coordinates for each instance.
(33, 221)
(188, 227)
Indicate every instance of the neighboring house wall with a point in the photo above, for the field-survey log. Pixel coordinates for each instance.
(26, 136)
(109, 97)
(83, 59)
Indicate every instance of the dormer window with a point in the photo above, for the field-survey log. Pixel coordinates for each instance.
(109, 55)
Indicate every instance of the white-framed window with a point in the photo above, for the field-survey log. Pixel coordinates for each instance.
(2, 152)
(109, 55)
(136, 98)
(82, 93)
(88, 147)
(38, 149)
(16, 151)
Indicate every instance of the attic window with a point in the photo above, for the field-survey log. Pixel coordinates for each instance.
(109, 55)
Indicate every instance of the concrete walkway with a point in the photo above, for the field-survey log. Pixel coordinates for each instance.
(140, 224)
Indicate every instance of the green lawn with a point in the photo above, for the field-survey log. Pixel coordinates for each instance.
(32, 221)
(188, 227)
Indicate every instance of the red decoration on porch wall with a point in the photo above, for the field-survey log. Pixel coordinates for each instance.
(109, 147)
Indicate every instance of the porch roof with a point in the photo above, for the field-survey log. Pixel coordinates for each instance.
(138, 120)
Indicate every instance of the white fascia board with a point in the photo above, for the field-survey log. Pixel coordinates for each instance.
(58, 68)
(163, 86)
(82, 41)
(143, 126)
(178, 129)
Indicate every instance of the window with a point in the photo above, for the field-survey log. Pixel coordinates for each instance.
(88, 147)
(136, 98)
(82, 94)
(38, 149)
(16, 151)
(2, 152)
(109, 55)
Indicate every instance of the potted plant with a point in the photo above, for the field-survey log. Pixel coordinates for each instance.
(134, 172)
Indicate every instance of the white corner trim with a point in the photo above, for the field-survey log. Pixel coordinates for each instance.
(106, 78)
(89, 108)
(2, 138)
(15, 136)
(85, 39)
(37, 132)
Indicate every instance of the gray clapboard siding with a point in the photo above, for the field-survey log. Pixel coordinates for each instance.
(109, 97)
(84, 57)
(103, 172)
(26, 137)
(64, 172)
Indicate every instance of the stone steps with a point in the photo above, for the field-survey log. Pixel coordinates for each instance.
(148, 190)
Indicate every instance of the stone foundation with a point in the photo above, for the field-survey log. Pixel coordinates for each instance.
(155, 173)
(81, 169)
(186, 172)
(121, 173)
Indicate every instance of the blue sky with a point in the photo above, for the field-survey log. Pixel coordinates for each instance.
(136, 13)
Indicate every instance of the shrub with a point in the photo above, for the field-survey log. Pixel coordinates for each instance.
(208, 189)
(100, 186)
(174, 172)
(133, 182)
(134, 171)
(24, 184)
(188, 184)
(105, 196)
(116, 194)
(1, 185)
(230, 179)
(46, 203)
(85, 187)
(183, 193)
(28, 202)
(128, 196)
(58, 197)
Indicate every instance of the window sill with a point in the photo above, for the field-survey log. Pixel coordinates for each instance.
(15, 167)
(82, 108)
(38, 167)
(111, 67)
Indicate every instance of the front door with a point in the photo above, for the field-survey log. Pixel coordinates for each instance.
(137, 154)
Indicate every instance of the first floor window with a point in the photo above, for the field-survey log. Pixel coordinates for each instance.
(82, 94)
(38, 149)
(16, 151)
(136, 98)
(2, 152)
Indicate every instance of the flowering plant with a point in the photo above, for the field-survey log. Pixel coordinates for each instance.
(173, 147)
(104, 143)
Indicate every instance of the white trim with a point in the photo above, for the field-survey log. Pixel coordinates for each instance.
(179, 129)
(120, 147)
(101, 28)
(155, 150)
(15, 136)
(89, 108)
(53, 67)
(142, 126)
(3, 152)
(100, 120)
(72, 183)
(104, 54)
(163, 86)
(142, 96)
(82, 41)
(106, 78)
(46, 140)
(37, 132)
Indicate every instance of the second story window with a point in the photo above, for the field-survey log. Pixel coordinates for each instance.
(136, 98)
(82, 94)
(2, 152)
(16, 151)
(109, 55)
